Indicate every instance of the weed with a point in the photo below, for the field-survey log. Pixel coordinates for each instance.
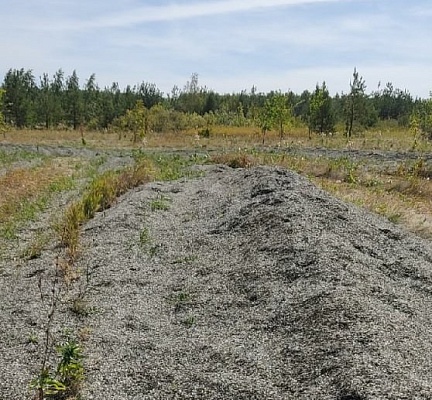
(33, 339)
(8, 158)
(180, 300)
(67, 377)
(182, 297)
(189, 322)
(173, 167)
(34, 250)
(70, 368)
(342, 169)
(395, 218)
(80, 307)
(184, 260)
(62, 184)
(154, 250)
(144, 237)
(8, 230)
(160, 204)
(68, 228)
(84, 333)
(46, 385)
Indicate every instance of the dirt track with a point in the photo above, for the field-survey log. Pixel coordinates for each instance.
(241, 284)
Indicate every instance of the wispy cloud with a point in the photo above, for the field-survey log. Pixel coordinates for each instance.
(172, 12)
(232, 44)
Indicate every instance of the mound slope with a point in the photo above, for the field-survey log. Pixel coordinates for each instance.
(253, 284)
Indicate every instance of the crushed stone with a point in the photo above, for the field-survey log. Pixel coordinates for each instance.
(239, 284)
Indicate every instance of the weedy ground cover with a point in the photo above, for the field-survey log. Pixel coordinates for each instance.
(386, 136)
(27, 191)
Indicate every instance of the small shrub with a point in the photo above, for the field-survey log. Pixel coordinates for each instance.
(67, 377)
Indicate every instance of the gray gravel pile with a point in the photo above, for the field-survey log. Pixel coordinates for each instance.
(243, 284)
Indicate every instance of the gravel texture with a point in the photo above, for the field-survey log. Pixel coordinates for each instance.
(239, 284)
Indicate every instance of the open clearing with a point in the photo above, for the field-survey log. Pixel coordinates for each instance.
(223, 283)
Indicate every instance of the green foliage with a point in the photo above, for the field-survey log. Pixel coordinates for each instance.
(159, 118)
(354, 103)
(74, 101)
(46, 385)
(34, 250)
(189, 322)
(275, 114)
(19, 99)
(59, 101)
(321, 116)
(173, 167)
(67, 376)
(392, 103)
(9, 157)
(136, 120)
(421, 118)
(160, 204)
(2, 120)
(359, 112)
(70, 368)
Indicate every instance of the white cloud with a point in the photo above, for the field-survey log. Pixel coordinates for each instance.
(274, 44)
(173, 12)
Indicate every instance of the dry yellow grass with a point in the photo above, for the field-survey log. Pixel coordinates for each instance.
(224, 138)
(24, 184)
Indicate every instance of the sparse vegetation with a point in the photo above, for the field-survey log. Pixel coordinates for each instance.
(161, 204)
(145, 238)
(64, 381)
(399, 190)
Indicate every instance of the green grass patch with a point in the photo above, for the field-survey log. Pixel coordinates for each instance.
(10, 157)
(170, 167)
(160, 204)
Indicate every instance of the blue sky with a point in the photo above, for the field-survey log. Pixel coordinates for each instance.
(232, 45)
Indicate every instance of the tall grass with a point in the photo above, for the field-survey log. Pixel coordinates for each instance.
(100, 194)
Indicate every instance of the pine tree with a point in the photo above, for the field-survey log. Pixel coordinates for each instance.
(321, 116)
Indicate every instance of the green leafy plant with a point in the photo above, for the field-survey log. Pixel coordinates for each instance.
(47, 385)
(70, 368)
(66, 378)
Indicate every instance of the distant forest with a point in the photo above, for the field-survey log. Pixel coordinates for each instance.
(60, 101)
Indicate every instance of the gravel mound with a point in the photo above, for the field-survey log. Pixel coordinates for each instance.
(244, 284)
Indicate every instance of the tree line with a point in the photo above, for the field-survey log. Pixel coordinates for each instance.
(61, 101)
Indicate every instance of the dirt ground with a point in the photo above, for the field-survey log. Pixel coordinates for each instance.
(236, 284)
